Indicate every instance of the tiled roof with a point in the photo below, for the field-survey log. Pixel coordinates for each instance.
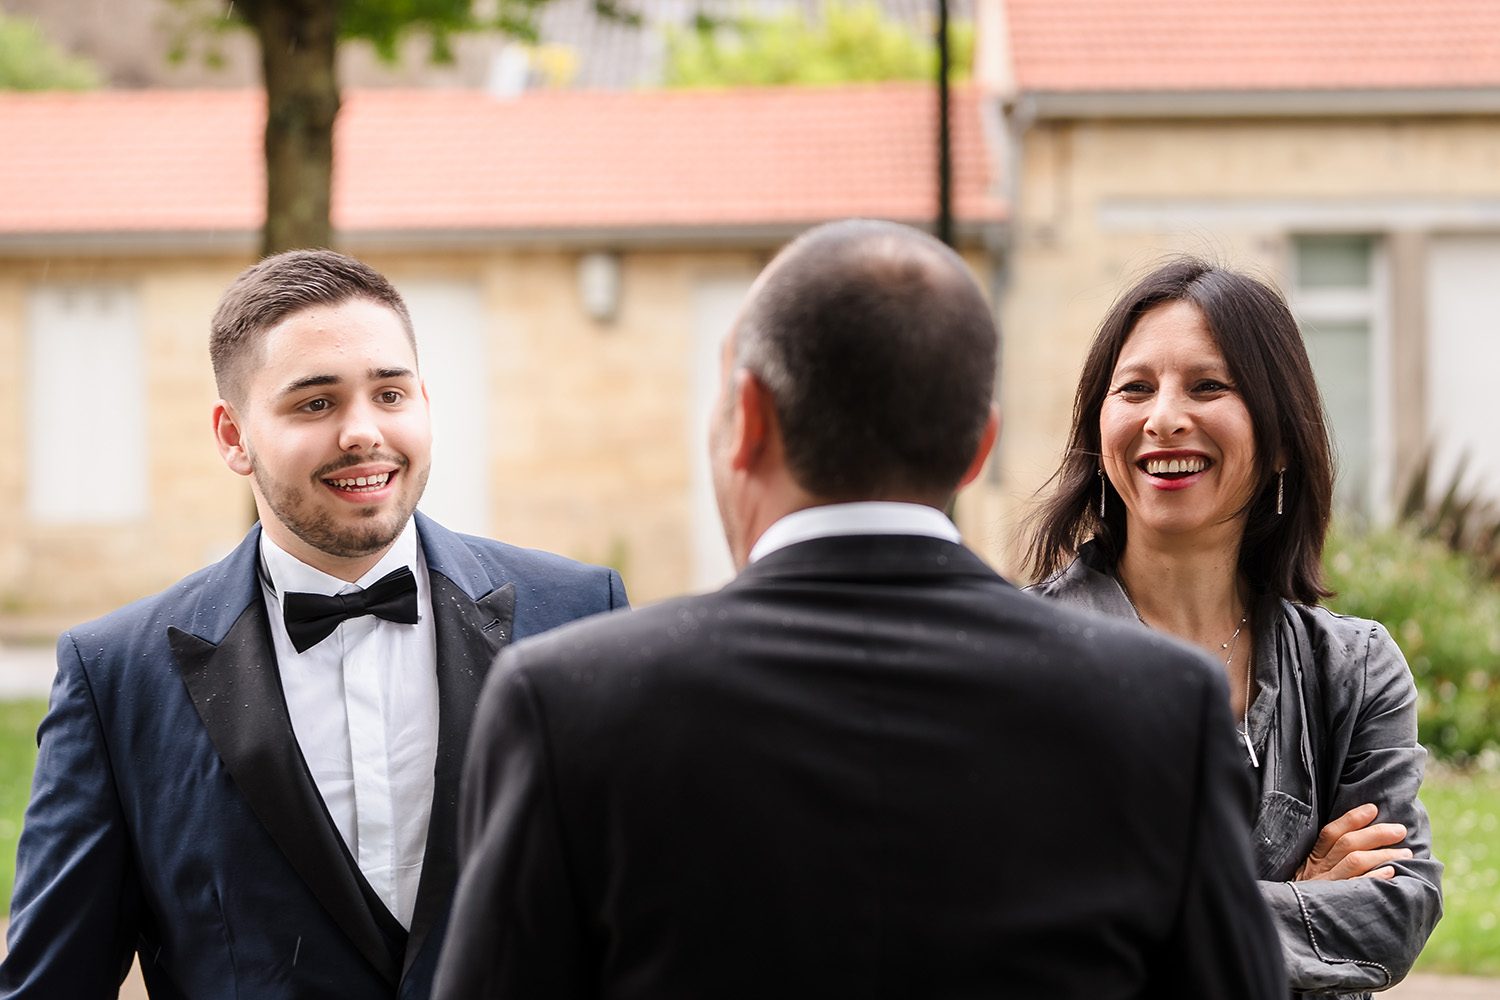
(1127, 45)
(458, 160)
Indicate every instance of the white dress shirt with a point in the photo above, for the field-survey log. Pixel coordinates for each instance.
(364, 708)
(866, 517)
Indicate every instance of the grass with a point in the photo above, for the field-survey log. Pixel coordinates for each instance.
(18, 721)
(1465, 808)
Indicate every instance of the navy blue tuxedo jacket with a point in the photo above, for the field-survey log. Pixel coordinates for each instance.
(172, 813)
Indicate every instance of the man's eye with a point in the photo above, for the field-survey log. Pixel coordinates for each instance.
(316, 405)
(390, 396)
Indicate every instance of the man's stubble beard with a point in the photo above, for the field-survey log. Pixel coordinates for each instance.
(317, 528)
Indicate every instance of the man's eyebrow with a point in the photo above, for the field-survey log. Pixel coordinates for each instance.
(309, 382)
(316, 381)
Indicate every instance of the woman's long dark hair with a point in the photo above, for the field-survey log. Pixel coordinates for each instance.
(1254, 330)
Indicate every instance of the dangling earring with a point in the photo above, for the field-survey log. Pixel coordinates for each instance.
(1101, 495)
(1280, 489)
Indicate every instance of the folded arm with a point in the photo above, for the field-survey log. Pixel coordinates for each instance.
(1365, 932)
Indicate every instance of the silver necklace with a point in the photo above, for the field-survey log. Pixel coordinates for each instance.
(1230, 644)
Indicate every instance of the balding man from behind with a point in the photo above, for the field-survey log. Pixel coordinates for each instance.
(868, 766)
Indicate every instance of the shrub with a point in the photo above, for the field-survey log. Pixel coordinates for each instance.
(1443, 610)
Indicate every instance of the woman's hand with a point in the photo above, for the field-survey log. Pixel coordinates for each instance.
(1350, 847)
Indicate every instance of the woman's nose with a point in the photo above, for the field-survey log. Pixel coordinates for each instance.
(1169, 415)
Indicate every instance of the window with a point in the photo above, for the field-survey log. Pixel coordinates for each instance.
(1463, 358)
(1340, 301)
(85, 404)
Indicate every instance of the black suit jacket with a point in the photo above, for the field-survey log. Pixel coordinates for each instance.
(868, 767)
(172, 813)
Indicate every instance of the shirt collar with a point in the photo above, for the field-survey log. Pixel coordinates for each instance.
(285, 572)
(867, 517)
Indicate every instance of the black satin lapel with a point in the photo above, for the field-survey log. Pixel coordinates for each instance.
(236, 689)
(470, 634)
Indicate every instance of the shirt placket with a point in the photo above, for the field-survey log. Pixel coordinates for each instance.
(364, 699)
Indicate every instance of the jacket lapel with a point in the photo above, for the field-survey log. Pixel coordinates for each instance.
(236, 688)
(470, 633)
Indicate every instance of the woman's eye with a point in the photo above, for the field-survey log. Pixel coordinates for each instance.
(1210, 385)
(1133, 388)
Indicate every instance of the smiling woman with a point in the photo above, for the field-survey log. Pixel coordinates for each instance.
(1194, 497)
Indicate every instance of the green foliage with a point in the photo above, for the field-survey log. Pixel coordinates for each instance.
(851, 42)
(382, 23)
(29, 61)
(1443, 610)
(1465, 811)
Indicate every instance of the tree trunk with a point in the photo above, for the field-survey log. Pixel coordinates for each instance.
(298, 42)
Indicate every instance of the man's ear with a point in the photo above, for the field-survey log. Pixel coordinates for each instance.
(986, 442)
(753, 415)
(230, 438)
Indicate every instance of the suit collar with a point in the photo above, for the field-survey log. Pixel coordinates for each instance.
(448, 554)
(865, 517)
(876, 556)
(229, 668)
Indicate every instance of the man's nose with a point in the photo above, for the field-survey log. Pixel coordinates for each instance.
(360, 430)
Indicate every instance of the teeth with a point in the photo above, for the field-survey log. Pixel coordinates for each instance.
(370, 482)
(1168, 466)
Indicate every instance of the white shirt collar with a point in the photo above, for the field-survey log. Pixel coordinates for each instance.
(288, 573)
(867, 517)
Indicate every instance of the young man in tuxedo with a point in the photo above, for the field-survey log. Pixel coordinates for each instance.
(869, 766)
(251, 779)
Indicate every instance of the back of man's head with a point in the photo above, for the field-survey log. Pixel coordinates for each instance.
(268, 292)
(879, 350)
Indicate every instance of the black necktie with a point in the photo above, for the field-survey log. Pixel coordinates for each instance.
(311, 618)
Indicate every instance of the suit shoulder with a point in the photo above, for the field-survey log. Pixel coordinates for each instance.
(530, 563)
(550, 590)
(641, 633)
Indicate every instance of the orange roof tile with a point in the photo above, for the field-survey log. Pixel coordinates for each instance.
(1125, 45)
(455, 160)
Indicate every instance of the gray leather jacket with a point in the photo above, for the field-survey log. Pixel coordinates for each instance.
(1334, 725)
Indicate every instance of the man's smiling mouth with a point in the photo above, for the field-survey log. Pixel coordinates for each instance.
(360, 482)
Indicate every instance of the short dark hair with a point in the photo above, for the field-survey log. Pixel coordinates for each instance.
(879, 351)
(1255, 331)
(266, 293)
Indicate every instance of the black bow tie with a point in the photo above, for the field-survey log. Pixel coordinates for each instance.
(311, 618)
